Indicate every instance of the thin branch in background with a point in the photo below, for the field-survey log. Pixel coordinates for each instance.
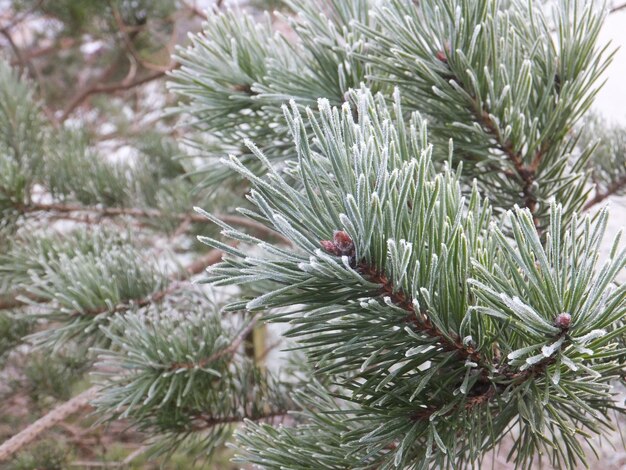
(617, 8)
(19, 18)
(59, 45)
(612, 189)
(150, 213)
(195, 10)
(231, 349)
(128, 43)
(98, 87)
(25, 63)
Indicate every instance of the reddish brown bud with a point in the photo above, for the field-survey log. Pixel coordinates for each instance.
(330, 247)
(343, 242)
(563, 320)
(442, 56)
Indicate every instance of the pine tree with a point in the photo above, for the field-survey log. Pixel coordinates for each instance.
(411, 182)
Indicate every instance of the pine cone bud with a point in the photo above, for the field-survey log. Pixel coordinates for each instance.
(442, 56)
(340, 245)
(344, 243)
(563, 320)
(330, 247)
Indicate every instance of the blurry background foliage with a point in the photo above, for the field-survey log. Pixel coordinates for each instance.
(99, 159)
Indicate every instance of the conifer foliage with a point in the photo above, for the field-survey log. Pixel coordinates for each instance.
(444, 319)
(441, 330)
(406, 192)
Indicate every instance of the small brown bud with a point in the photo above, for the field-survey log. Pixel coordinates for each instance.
(340, 245)
(330, 247)
(343, 242)
(442, 56)
(563, 320)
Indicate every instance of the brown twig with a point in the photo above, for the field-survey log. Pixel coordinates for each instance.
(98, 87)
(617, 8)
(130, 47)
(612, 189)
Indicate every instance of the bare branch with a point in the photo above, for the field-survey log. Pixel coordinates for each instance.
(152, 213)
(617, 8)
(612, 189)
(193, 8)
(98, 87)
(57, 415)
(124, 30)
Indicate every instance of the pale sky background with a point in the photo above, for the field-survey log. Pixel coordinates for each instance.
(611, 102)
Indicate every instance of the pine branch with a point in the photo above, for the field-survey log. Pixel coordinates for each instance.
(79, 402)
(21, 299)
(493, 379)
(607, 164)
(420, 319)
(526, 173)
(212, 257)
